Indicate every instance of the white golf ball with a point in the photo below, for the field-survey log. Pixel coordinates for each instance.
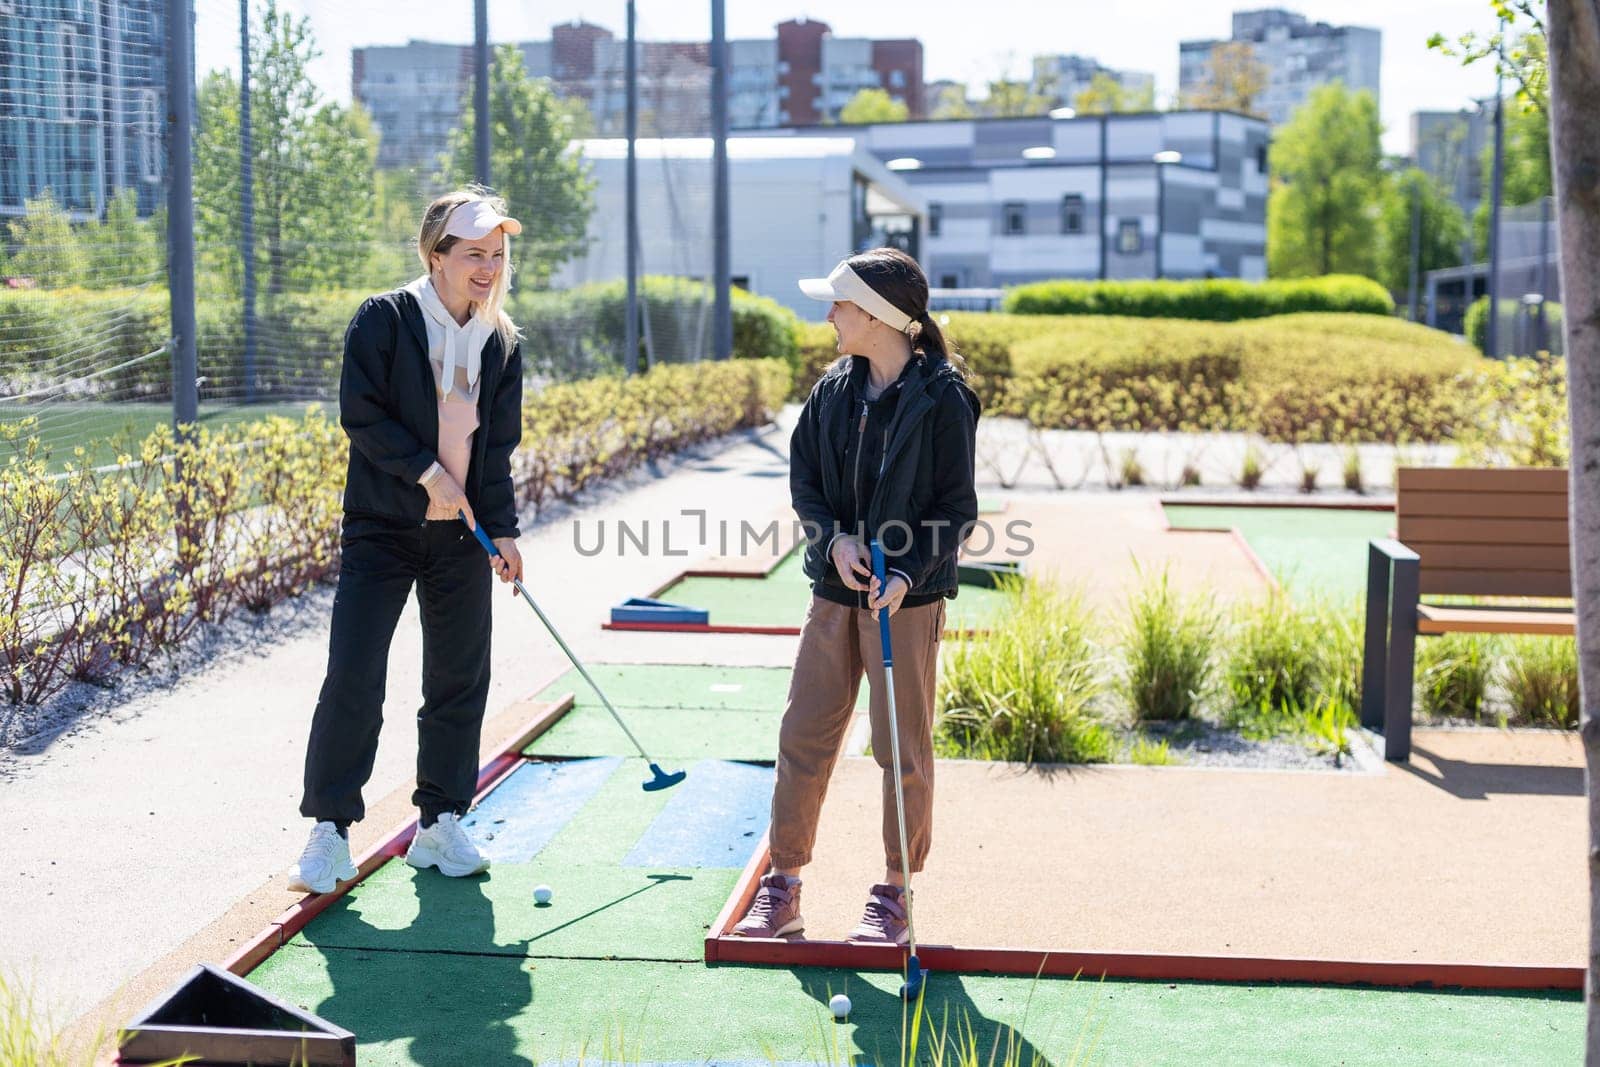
(839, 1005)
(541, 894)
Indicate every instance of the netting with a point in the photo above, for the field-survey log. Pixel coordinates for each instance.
(308, 190)
(82, 165)
(1529, 281)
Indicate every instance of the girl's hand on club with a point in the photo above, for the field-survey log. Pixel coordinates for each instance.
(890, 596)
(852, 561)
(445, 492)
(508, 564)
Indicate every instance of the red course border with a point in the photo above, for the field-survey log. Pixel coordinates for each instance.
(723, 948)
(278, 932)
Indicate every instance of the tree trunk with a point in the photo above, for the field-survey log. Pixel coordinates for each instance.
(1574, 36)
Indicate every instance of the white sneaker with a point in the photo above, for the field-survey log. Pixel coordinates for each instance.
(446, 846)
(324, 863)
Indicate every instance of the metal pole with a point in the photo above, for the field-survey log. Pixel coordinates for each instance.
(247, 205)
(1542, 338)
(630, 332)
(180, 210)
(1416, 244)
(1161, 210)
(480, 93)
(1497, 191)
(1103, 213)
(722, 331)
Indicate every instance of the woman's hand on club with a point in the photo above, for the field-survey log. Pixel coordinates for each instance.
(508, 564)
(445, 492)
(890, 596)
(852, 561)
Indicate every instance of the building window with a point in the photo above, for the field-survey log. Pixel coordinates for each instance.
(897, 79)
(150, 128)
(1072, 213)
(1261, 159)
(949, 281)
(1014, 217)
(1130, 239)
(935, 219)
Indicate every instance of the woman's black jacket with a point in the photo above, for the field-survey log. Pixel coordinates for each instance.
(389, 407)
(924, 501)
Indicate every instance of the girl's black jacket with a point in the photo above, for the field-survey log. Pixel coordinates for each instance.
(905, 477)
(389, 407)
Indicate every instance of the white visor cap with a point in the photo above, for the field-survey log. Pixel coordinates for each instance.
(846, 284)
(476, 218)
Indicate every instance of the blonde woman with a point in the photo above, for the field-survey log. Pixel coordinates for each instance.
(430, 396)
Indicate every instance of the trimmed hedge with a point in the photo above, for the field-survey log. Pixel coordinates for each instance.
(1211, 300)
(1290, 378)
(575, 333)
(106, 337)
(1476, 325)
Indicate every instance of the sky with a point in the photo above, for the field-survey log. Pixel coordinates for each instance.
(957, 41)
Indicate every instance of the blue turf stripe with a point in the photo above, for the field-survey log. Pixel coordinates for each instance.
(713, 819)
(533, 804)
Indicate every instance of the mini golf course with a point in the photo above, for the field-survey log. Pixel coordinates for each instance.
(1309, 550)
(775, 602)
(430, 970)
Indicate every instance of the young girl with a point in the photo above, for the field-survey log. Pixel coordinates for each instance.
(883, 450)
(431, 398)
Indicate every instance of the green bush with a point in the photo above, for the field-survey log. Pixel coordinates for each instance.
(1476, 325)
(114, 341)
(1453, 674)
(1167, 645)
(1293, 669)
(1215, 300)
(1024, 691)
(1541, 680)
(575, 333)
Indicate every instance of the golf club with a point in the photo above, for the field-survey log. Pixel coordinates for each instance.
(915, 973)
(661, 779)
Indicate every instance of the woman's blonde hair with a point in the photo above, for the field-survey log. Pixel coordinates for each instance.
(432, 239)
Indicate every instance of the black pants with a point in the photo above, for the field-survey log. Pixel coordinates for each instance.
(380, 565)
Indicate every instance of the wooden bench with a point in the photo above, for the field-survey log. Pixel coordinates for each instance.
(1460, 531)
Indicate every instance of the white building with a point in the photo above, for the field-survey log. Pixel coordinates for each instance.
(797, 206)
(1299, 55)
(1178, 194)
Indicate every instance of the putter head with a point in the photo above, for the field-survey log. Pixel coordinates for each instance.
(916, 975)
(662, 780)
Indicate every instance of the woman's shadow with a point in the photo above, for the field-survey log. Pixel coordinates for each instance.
(452, 1006)
(881, 1018)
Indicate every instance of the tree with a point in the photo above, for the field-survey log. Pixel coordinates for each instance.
(312, 164)
(124, 249)
(545, 182)
(1526, 167)
(1234, 78)
(1519, 54)
(952, 103)
(1327, 187)
(1017, 99)
(46, 248)
(873, 105)
(1106, 96)
(1574, 82)
(1441, 229)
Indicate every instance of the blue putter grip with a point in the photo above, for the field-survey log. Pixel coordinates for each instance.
(883, 616)
(483, 538)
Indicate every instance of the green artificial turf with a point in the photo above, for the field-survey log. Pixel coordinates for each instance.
(1310, 550)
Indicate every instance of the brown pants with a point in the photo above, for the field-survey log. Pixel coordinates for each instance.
(836, 644)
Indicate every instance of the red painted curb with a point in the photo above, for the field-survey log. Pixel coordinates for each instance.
(723, 948)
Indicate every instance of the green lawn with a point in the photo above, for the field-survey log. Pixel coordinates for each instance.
(1310, 550)
(64, 427)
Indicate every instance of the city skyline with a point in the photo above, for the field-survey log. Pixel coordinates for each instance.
(1143, 37)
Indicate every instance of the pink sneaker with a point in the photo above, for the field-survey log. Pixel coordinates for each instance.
(885, 917)
(775, 912)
